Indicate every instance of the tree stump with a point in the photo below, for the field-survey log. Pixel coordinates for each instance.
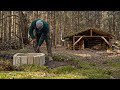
(28, 58)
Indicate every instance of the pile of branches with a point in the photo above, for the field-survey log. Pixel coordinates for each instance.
(8, 45)
(115, 44)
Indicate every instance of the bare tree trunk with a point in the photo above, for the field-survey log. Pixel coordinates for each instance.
(1, 27)
(24, 27)
(78, 14)
(37, 12)
(5, 25)
(113, 21)
(109, 23)
(117, 24)
(10, 24)
(87, 18)
(53, 27)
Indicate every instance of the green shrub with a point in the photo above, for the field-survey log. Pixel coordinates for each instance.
(6, 65)
(61, 57)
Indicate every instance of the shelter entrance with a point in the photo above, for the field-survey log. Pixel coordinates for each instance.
(86, 43)
(94, 43)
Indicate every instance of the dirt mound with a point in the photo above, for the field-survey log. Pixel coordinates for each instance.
(53, 64)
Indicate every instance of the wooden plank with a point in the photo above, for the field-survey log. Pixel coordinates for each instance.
(106, 41)
(94, 36)
(77, 41)
(90, 32)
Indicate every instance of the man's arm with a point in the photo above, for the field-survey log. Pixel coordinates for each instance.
(41, 40)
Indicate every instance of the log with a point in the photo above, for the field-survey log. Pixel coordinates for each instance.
(106, 41)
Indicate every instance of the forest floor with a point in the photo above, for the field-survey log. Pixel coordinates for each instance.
(79, 64)
(86, 55)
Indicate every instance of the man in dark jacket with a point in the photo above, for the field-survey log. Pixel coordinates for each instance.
(41, 29)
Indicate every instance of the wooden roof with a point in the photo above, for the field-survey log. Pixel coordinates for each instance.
(98, 31)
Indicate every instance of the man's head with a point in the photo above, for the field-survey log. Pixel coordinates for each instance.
(39, 24)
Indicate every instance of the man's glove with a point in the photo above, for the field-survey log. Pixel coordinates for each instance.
(37, 49)
(34, 40)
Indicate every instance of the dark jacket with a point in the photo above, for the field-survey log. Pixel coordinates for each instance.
(42, 33)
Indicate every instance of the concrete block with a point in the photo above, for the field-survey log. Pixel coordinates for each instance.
(28, 58)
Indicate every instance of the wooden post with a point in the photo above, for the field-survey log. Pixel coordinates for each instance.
(73, 42)
(90, 32)
(79, 45)
(82, 44)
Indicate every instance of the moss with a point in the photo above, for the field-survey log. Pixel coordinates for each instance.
(60, 58)
(32, 67)
(62, 69)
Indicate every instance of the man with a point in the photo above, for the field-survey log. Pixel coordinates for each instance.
(41, 28)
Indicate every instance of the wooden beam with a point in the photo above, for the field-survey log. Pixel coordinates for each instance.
(94, 36)
(77, 36)
(90, 36)
(106, 41)
(77, 41)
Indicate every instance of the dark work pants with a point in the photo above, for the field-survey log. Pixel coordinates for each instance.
(48, 43)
